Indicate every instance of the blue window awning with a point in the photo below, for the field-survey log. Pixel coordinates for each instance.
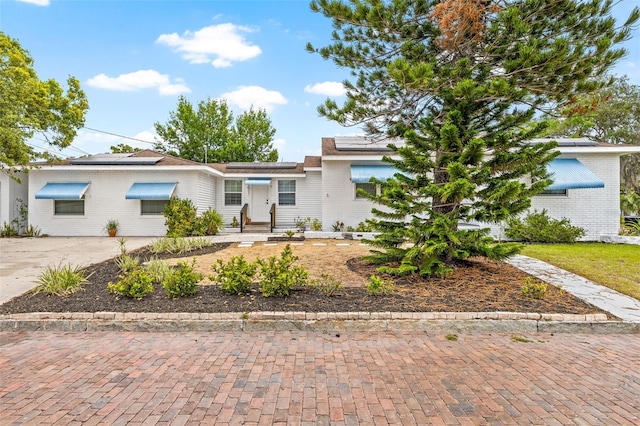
(151, 191)
(363, 174)
(569, 173)
(258, 181)
(62, 191)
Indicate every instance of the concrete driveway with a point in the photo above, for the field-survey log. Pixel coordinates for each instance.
(23, 259)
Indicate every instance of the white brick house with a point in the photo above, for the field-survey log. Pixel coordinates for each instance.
(586, 191)
(77, 197)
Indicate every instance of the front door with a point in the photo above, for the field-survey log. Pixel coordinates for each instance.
(260, 205)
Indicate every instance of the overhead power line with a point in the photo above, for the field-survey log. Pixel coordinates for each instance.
(120, 136)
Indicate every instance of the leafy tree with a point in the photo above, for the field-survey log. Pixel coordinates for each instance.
(122, 148)
(209, 132)
(611, 115)
(30, 106)
(460, 82)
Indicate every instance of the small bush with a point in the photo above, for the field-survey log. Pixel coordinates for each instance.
(279, 276)
(180, 217)
(182, 221)
(534, 289)
(8, 230)
(32, 231)
(178, 245)
(540, 228)
(209, 223)
(135, 284)
(632, 229)
(338, 226)
(127, 263)
(60, 281)
(316, 225)
(182, 281)
(158, 269)
(327, 285)
(377, 285)
(235, 276)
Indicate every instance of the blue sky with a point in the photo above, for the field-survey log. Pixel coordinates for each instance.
(134, 58)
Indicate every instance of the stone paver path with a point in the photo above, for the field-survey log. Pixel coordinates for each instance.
(119, 378)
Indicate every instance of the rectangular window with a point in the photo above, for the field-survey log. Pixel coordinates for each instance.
(556, 192)
(152, 207)
(369, 188)
(232, 192)
(287, 192)
(68, 207)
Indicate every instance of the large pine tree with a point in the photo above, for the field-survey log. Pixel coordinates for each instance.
(460, 81)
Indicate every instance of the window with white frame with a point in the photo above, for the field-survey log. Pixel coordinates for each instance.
(287, 192)
(152, 207)
(232, 192)
(68, 207)
(368, 187)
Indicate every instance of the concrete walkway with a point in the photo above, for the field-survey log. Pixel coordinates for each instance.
(23, 259)
(624, 307)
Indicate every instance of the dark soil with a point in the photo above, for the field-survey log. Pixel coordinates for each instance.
(475, 286)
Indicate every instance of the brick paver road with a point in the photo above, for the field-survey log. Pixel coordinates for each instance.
(314, 378)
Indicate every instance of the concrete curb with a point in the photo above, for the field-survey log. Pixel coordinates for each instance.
(442, 322)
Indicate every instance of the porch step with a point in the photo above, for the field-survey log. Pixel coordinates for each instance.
(257, 228)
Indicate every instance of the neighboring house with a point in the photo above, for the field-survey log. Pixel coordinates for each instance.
(77, 197)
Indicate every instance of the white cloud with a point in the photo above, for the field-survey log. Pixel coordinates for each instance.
(220, 45)
(138, 80)
(37, 2)
(279, 144)
(256, 96)
(328, 88)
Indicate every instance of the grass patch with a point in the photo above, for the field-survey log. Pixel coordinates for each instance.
(616, 266)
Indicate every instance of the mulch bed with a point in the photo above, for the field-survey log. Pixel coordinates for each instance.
(475, 286)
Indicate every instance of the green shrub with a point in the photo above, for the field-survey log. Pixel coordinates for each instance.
(32, 231)
(533, 288)
(182, 221)
(538, 227)
(158, 269)
(182, 281)
(135, 284)
(631, 229)
(178, 245)
(127, 263)
(316, 225)
(180, 217)
(327, 285)
(235, 276)
(8, 230)
(377, 285)
(279, 276)
(209, 223)
(61, 280)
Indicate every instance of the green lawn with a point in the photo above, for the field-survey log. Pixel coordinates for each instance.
(616, 266)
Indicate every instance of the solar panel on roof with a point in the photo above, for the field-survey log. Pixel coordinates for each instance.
(117, 161)
(258, 166)
(363, 143)
(564, 141)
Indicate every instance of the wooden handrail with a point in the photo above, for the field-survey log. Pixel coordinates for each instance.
(243, 216)
(272, 213)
